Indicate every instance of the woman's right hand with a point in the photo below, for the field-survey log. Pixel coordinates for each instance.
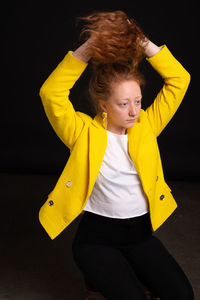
(83, 52)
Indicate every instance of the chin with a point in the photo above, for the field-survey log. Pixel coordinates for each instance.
(129, 125)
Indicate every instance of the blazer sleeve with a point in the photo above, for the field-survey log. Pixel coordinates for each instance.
(176, 81)
(54, 94)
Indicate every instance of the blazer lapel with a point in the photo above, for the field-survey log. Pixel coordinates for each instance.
(97, 148)
(134, 141)
(142, 150)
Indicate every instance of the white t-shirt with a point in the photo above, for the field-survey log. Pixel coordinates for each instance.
(117, 192)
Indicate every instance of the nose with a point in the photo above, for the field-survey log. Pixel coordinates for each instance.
(132, 110)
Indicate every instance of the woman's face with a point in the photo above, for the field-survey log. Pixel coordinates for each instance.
(123, 106)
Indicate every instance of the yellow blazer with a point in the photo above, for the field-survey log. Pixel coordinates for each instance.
(87, 139)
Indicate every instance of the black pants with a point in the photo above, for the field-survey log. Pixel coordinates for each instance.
(116, 255)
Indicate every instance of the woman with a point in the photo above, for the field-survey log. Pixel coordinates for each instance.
(114, 173)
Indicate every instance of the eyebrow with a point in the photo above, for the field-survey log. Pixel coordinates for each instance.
(138, 97)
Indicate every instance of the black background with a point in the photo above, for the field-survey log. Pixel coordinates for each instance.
(36, 38)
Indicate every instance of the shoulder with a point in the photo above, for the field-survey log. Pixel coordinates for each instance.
(86, 118)
(143, 116)
(144, 121)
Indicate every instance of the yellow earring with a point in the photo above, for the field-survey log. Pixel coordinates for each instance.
(104, 116)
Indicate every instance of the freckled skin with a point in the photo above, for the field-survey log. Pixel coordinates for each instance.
(124, 104)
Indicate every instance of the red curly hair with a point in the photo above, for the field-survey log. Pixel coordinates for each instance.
(117, 48)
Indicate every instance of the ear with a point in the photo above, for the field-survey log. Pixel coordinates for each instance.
(103, 105)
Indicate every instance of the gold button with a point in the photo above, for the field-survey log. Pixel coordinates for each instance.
(69, 183)
(162, 197)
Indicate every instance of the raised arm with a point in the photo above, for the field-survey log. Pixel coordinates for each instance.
(55, 91)
(176, 81)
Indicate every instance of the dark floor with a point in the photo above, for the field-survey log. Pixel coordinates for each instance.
(33, 267)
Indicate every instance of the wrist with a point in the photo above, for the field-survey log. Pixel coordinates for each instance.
(150, 49)
(83, 52)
